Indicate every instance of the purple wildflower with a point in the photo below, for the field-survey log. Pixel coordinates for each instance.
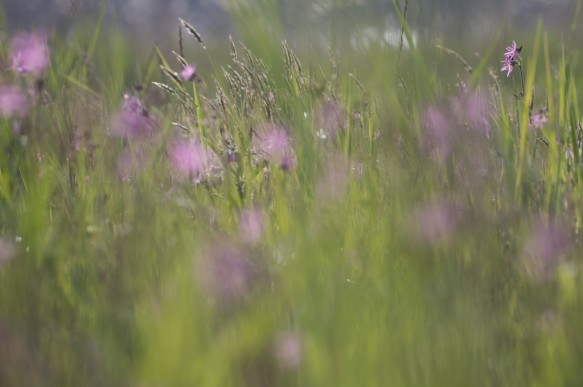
(134, 105)
(129, 162)
(77, 141)
(434, 222)
(287, 350)
(511, 58)
(331, 119)
(82, 140)
(543, 250)
(13, 102)
(272, 144)
(7, 251)
(288, 162)
(191, 159)
(189, 72)
(476, 109)
(228, 274)
(437, 136)
(472, 109)
(30, 54)
(539, 119)
(133, 120)
(513, 51)
(185, 157)
(251, 225)
(508, 66)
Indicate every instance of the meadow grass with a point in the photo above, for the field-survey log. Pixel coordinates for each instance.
(376, 217)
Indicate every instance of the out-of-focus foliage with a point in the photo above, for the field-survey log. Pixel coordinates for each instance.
(342, 210)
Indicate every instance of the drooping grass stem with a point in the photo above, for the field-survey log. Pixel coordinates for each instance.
(199, 113)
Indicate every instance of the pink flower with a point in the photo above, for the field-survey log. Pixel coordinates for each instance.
(511, 58)
(191, 159)
(544, 248)
(189, 72)
(13, 102)
(287, 350)
(508, 66)
(539, 119)
(228, 274)
(331, 119)
(30, 54)
(7, 252)
(130, 162)
(434, 222)
(133, 120)
(251, 225)
(513, 51)
(472, 110)
(272, 144)
(186, 157)
(438, 127)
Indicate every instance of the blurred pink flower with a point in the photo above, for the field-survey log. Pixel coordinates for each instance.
(539, 119)
(30, 54)
(129, 162)
(474, 110)
(251, 225)
(189, 72)
(191, 159)
(459, 127)
(287, 350)
(185, 157)
(133, 120)
(13, 102)
(228, 274)
(434, 222)
(331, 119)
(7, 252)
(437, 135)
(544, 248)
(272, 143)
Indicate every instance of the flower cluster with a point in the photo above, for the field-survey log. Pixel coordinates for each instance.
(511, 58)
(133, 120)
(13, 102)
(331, 119)
(193, 160)
(466, 116)
(545, 249)
(189, 73)
(30, 55)
(228, 274)
(539, 119)
(272, 144)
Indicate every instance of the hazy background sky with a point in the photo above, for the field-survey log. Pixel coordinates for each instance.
(374, 19)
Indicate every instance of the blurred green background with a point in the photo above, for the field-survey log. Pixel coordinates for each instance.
(427, 234)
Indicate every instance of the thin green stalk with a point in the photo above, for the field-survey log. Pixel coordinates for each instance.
(548, 78)
(199, 113)
(529, 90)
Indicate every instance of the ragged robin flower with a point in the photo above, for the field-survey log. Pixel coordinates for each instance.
(30, 54)
(511, 58)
